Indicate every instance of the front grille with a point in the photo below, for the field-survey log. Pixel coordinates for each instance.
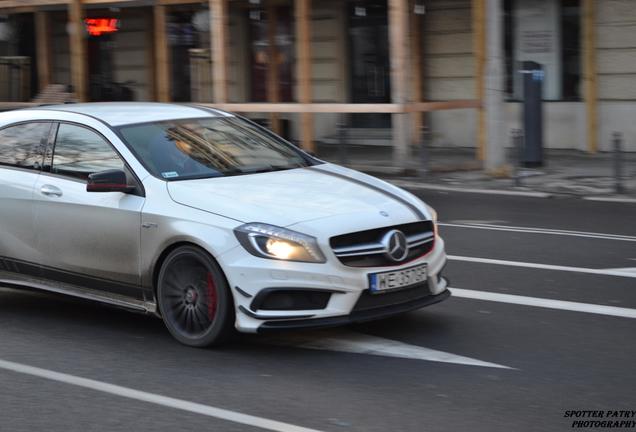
(369, 301)
(364, 248)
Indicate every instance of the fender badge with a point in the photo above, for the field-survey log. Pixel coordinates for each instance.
(383, 213)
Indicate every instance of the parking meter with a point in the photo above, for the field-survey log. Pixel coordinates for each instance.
(533, 75)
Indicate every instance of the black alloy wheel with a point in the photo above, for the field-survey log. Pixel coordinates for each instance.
(194, 298)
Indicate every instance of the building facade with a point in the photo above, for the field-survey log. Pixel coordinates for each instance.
(306, 66)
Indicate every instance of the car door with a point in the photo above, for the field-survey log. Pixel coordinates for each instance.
(22, 148)
(87, 239)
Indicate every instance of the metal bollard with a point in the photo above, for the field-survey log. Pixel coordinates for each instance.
(342, 143)
(425, 138)
(617, 141)
(517, 144)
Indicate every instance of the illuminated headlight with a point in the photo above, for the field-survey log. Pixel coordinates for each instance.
(269, 241)
(433, 213)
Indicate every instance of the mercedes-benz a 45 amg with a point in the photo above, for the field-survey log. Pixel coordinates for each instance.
(207, 220)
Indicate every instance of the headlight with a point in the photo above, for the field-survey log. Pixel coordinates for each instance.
(269, 241)
(433, 213)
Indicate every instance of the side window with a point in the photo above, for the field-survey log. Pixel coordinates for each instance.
(80, 151)
(24, 145)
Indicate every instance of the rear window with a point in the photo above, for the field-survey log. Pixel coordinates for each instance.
(24, 145)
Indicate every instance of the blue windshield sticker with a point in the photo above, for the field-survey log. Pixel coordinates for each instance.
(170, 174)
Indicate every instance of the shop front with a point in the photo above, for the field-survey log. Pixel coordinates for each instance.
(35, 52)
(119, 53)
(18, 67)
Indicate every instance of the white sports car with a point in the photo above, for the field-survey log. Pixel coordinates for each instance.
(207, 220)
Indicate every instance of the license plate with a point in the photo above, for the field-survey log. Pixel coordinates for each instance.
(386, 281)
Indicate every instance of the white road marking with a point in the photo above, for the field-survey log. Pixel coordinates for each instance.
(357, 343)
(427, 186)
(611, 199)
(542, 266)
(544, 303)
(169, 402)
(624, 269)
(531, 230)
(478, 222)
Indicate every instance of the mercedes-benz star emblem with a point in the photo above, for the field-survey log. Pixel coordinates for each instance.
(395, 245)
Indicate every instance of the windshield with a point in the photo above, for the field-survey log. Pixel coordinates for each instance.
(209, 147)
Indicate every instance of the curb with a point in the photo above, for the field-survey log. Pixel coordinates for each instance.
(379, 170)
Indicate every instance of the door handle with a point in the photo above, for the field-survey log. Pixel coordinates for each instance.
(51, 191)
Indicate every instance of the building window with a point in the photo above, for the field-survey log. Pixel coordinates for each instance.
(18, 67)
(571, 48)
(546, 32)
(189, 41)
(271, 35)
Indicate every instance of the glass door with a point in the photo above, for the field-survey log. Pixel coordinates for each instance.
(369, 67)
(272, 41)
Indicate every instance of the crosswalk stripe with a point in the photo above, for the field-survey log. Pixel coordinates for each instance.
(153, 398)
(544, 303)
(530, 230)
(603, 272)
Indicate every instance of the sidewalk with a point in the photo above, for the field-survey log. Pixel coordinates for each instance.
(566, 172)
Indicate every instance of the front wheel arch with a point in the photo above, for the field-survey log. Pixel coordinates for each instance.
(227, 325)
(161, 259)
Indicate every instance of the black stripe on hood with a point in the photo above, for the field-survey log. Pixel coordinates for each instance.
(420, 215)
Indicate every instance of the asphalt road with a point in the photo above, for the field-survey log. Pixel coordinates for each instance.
(475, 364)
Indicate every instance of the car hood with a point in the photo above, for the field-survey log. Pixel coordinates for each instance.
(289, 197)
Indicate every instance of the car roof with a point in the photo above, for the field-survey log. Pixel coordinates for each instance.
(124, 113)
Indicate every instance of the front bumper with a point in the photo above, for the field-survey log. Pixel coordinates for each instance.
(356, 316)
(248, 276)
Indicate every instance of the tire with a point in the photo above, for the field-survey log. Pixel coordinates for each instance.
(194, 298)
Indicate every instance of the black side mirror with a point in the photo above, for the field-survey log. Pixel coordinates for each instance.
(108, 181)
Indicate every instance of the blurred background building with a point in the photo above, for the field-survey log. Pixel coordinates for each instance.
(381, 68)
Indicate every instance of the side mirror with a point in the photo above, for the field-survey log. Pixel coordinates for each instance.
(108, 181)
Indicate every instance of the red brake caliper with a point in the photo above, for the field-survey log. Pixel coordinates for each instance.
(211, 297)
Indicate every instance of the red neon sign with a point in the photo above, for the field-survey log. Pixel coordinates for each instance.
(100, 26)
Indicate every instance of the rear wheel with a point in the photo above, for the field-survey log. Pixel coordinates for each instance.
(194, 298)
